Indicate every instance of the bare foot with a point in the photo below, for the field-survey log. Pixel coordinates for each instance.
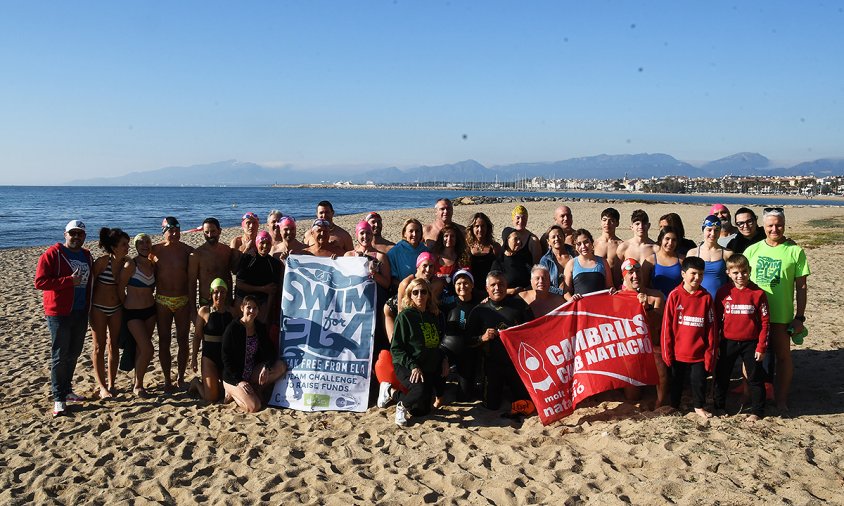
(703, 413)
(105, 393)
(438, 401)
(141, 393)
(752, 419)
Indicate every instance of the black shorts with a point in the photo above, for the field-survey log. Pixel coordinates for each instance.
(139, 314)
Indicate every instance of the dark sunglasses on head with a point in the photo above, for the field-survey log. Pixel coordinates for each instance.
(772, 210)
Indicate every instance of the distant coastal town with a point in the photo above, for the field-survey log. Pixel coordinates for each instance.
(808, 186)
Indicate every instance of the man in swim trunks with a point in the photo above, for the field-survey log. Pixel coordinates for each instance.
(172, 300)
(64, 277)
(207, 262)
(640, 243)
(540, 300)
(322, 246)
(443, 212)
(378, 242)
(563, 218)
(337, 236)
(728, 231)
(606, 245)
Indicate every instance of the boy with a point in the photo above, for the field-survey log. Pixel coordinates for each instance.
(741, 308)
(689, 336)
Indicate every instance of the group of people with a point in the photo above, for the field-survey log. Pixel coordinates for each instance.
(446, 291)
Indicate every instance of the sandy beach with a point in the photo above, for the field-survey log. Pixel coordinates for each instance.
(174, 449)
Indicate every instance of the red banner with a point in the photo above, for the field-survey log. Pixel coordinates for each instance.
(598, 343)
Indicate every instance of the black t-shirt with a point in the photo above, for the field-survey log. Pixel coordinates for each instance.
(740, 243)
(511, 311)
(259, 270)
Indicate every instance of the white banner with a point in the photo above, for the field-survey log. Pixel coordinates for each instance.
(327, 327)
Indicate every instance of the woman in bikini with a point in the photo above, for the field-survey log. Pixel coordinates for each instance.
(106, 315)
(137, 284)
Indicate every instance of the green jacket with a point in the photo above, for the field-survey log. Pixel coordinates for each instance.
(416, 341)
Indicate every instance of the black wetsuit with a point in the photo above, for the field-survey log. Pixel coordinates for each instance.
(498, 368)
(258, 270)
(516, 268)
(462, 347)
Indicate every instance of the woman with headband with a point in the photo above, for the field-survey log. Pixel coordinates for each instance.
(211, 322)
(137, 284)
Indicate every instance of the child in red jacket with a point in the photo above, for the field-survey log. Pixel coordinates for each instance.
(741, 309)
(689, 336)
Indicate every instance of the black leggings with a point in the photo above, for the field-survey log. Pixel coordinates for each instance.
(730, 351)
(697, 373)
(418, 396)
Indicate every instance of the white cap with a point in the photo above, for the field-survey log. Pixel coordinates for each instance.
(463, 272)
(74, 225)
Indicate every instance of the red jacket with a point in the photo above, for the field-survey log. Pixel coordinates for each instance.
(54, 277)
(689, 329)
(743, 314)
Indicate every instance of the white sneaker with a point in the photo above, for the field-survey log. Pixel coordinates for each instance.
(401, 415)
(385, 394)
(59, 408)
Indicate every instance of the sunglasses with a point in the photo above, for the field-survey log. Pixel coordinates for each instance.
(772, 210)
(76, 233)
(419, 292)
(742, 224)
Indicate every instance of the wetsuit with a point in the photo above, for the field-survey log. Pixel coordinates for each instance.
(258, 270)
(462, 347)
(498, 368)
(479, 266)
(516, 267)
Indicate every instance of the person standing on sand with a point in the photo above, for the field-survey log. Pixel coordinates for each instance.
(636, 246)
(171, 258)
(606, 245)
(564, 219)
(207, 262)
(64, 277)
(339, 239)
(779, 267)
(377, 224)
(137, 285)
(443, 212)
(288, 245)
(246, 241)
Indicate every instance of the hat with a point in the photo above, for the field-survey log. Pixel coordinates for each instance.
(519, 209)
(263, 236)
(463, 272)
(74, 225)
(168, 223)
(363, 225)
(424, 256)
(711, 221)
(717, 207)
(219, 282)
(287, 220)
(319, 222)
(371, 215)
(628, 265)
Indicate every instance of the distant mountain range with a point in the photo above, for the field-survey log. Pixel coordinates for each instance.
(644, 165)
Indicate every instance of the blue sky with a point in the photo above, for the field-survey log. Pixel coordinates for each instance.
(105, 88)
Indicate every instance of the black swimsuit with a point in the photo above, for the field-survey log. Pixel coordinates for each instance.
(212, 342)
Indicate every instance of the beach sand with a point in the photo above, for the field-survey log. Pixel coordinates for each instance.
(174, 449)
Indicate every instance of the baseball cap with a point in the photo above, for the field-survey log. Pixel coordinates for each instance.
(628, 265)
(74, 225)
(168, 223)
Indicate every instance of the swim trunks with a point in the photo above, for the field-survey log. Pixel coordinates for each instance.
(172, 303)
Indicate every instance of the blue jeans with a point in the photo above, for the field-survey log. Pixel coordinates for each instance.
(68, 334)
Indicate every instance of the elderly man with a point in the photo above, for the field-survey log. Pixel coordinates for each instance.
(779, 267)
(321, 235)
(273, 226)
(563, 218)
(540, 300)
(728, 231)
(337, 236)
(500, 311)
(653, 301)
(443, 212)
(64, 277)
(749, 231)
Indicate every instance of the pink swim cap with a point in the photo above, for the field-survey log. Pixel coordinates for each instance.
(263, 236)
(425, 256)
(716, 207)
(287, 220)
(363, 225)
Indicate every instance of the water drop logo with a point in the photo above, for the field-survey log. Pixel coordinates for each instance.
(533, 365)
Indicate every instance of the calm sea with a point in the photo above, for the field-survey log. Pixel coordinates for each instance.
(36, 215)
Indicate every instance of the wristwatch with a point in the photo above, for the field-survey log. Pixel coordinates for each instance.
(800, 318)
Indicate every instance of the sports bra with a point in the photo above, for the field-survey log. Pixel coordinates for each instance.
(141, 280)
